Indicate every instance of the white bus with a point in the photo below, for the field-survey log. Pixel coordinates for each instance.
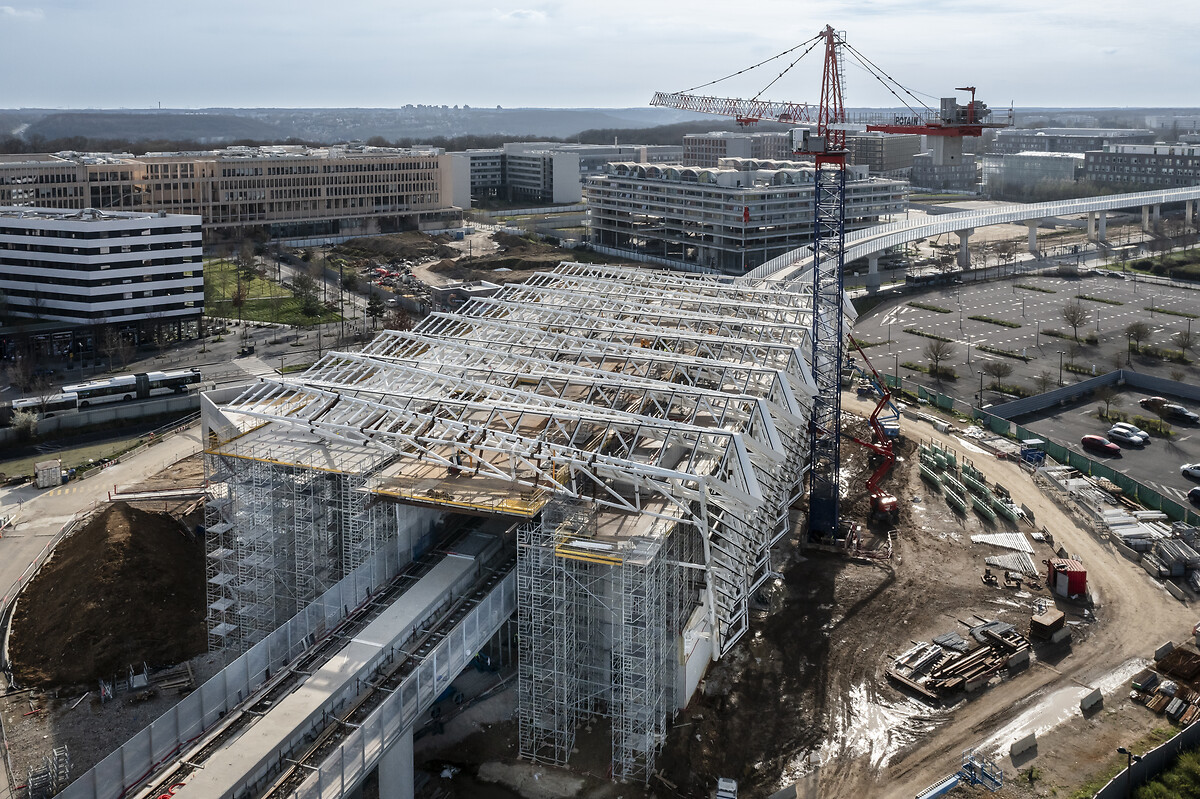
(47, 406)
(124, 388)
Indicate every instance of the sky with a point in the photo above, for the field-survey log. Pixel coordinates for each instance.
(574, 53)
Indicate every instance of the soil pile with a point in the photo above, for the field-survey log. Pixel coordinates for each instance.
(410, 246)
(127, 588)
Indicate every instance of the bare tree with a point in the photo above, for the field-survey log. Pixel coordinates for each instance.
(1184, 340)
(1109, 396)
(1043, 381)
(938, 351)
(997, 370)
(1076, 316)
(1136, 331)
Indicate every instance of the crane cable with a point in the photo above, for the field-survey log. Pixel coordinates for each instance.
(811, 42)
(787, 68)
(885, 78)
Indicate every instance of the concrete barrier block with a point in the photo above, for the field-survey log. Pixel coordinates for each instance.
(1062, 635)
(1164, 650)
(1023, 745)
(1091, 700)
(1175, 591)
(1019, 659)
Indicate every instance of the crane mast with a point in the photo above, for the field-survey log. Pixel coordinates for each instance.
(829, 238)
(827, 148)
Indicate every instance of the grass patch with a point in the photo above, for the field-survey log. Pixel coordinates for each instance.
(865, 344)
(1169, 312)
(1057, 334)
(927, 307)
(1079, 370)
(74, 458)
(943, 372)
(933, 336)
(1004, 352)
(221, 283)
(1104, 300)
(292, 368)
(993, 321)
(1015, 390)
(286, 310)
(1151, 424)
(1042, 289)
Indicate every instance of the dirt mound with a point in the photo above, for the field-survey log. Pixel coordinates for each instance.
(127, 588)
(402, 246)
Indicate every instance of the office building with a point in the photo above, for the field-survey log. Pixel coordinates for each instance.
(730, 219)
(707, 149)
(1141, 167)
(279, 191)
(138, 272)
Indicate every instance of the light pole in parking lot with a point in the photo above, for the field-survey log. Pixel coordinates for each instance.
(1060, 354)
(981, 389)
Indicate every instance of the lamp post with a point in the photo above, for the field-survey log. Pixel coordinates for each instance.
(1130, 759)
(981, 389)
(1060, 367)
(897, 356)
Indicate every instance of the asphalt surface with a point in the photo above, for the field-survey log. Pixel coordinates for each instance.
(1155, 465)
(1034, 311)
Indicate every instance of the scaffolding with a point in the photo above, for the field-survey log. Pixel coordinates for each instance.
(597, 635)
(649, 429)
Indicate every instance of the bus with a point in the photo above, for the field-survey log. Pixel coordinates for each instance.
(47, 406)
(124, 388)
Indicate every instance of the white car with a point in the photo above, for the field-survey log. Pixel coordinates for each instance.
(1124, 436)
(1132, 430)
(1190, 470)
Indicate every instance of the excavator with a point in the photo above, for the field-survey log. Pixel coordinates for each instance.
(885, 508)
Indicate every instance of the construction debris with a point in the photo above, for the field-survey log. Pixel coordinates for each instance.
(933, 672)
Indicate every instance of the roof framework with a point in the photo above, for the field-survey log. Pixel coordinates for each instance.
(659, 399)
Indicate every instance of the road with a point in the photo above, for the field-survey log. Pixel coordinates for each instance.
(42, 513)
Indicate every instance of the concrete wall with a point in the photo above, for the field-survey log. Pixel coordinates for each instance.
(1153, 762)
(115, 414)
(1149, 383)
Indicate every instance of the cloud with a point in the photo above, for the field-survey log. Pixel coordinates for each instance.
(9, 12)
(520, 15)
(1110, 50)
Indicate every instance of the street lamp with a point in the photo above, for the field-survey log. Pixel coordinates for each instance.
(897, 356)
(1130, 759)
(1060, 367)
(981, 389)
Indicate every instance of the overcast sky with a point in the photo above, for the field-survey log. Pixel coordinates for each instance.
(572, 53)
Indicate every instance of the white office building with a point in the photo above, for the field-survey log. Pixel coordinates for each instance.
(98, 268)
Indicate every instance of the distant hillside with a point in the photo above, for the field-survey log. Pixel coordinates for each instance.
(325, 125)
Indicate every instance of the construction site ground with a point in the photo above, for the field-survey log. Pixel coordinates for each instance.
(809, 677)
(125, 589)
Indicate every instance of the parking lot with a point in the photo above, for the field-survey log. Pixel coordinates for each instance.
(1155, 465)
(1033, 304)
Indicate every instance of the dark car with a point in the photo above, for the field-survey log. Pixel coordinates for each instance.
(1101, 445)
(1178, 413)
(1152, 403)
(1193, 496)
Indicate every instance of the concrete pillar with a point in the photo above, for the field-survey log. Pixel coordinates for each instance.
(396, 769)
(964, 253)
(1091, 226)
(1145, 219)
(1102, 232)
(1188, 206)
(1032, 224)
(873, 273)
(1157, 213)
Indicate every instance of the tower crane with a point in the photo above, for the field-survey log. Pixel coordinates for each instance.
(826, 146)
